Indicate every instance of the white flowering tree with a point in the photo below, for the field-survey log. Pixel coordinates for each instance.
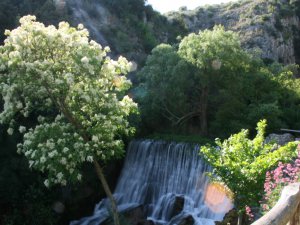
(79, 91)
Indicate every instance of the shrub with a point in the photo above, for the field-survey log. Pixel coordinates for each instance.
(240, 163)
(278, 178)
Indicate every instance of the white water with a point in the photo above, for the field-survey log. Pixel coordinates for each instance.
(154, 174)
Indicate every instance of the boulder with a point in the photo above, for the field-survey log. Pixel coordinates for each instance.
(280, 139)
(135, 215)
(146, 222)
(189, 220)
(132, 216)
(178, 206)
(58, 207)
(230, 218)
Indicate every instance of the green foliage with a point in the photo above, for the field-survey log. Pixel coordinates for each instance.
(233, 5)
(8, 14)
(147, 37)
(126, 7)
(214, 53)
(23, 196)
(265, 18)
(33, 207)
(11, 10)
(241, 163)
(143, 28)
(285, 10)
(278, 24)
(211, 74)
(217, 57)
(271, 8)
(289, 95)
(164, 80)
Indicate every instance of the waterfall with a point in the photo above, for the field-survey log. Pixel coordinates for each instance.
(155, 174)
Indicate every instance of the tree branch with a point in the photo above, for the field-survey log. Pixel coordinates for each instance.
(186, 117)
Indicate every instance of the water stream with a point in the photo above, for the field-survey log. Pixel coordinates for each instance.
(155, 174)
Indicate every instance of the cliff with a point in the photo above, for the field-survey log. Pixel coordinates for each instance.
(129, 27)
(132, 28)
(269, 25)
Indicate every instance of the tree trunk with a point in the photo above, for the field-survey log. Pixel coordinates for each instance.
(68, 114)
(240, 219)
(108, 192)
(98, 168)
(203, 110)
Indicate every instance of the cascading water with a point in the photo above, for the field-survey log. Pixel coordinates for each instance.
(155, 174)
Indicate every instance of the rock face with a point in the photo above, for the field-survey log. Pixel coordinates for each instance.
(280, 139)
(60, 5)
(271, 26)
(94, 16)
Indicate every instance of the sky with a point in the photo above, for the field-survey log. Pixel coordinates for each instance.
(169, 5)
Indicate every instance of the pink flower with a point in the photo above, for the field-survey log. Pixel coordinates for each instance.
(249, 213)
(283, 175)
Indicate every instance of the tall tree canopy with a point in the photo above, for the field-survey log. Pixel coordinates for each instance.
(217, 55)
(211, 85)
(180, 82)
(165, 78)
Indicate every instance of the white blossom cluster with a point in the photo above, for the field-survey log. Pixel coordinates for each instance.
(57, 148)
(59, 69)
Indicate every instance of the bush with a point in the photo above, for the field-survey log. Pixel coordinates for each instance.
(240, 163)
(278, 178)
(33, 207)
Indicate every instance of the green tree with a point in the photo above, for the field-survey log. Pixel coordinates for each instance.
(8, 14)
(210, 84)
(217, 55)
(246, 98)
(165, 78)
(185, 83)
(76, 90)
(241, 164)
(288, 91)
(12, 10)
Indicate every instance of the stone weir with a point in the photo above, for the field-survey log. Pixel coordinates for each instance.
(164, 183)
